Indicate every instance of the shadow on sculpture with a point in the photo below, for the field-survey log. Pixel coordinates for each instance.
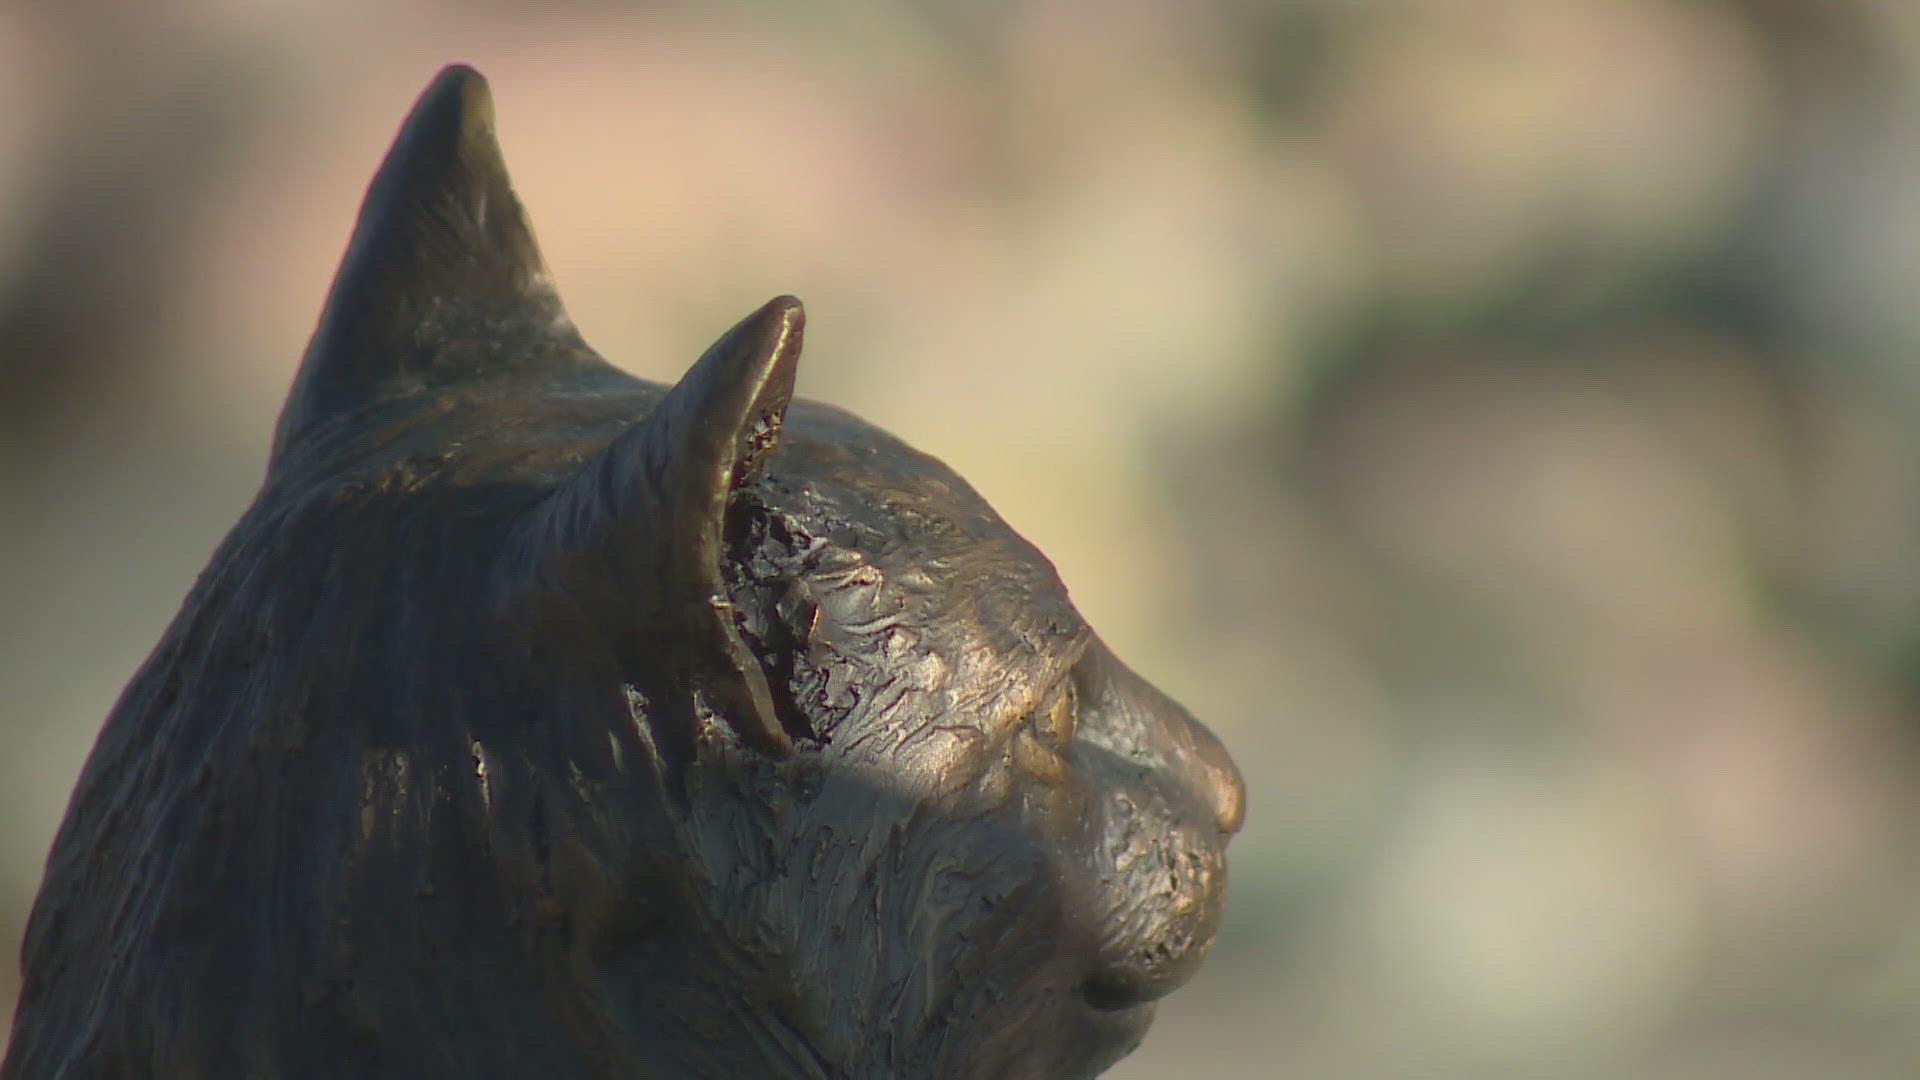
(540, 721)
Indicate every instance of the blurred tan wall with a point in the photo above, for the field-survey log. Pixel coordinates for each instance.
(1496, 418)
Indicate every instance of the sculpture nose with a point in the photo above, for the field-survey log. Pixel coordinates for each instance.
(1170, 798)
(1144, 724)
(1218, 780)
(1208, 772)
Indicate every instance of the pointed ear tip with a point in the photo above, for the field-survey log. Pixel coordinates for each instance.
(785, 320)
(458, 103)
(788, 310)
(462, 80)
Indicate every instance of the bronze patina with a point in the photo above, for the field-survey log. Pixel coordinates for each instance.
(540, 721)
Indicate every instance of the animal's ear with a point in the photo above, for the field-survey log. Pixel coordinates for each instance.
(442, 282)
(715, 428)
(639, 534)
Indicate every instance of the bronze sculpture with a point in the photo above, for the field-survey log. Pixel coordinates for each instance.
(537, 720)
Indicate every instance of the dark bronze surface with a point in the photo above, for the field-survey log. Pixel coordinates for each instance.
(540, 721)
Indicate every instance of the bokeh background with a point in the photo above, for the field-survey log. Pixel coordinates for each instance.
(1500, 419)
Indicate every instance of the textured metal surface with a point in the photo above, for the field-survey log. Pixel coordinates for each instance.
(540, 721)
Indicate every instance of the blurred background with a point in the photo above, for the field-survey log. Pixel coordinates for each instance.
(1499, 419)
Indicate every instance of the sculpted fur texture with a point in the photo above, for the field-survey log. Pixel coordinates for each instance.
(540, 721)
